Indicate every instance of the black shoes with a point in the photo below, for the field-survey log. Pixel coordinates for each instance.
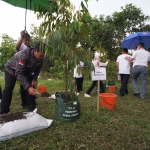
(121, 94)
(137, 94)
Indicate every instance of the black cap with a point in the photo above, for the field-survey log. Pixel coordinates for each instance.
(125, 50)
(40, 47)
(26, 35)
(141, 44)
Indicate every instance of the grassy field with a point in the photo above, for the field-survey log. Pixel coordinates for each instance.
(127, 127)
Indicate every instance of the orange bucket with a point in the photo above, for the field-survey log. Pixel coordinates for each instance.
(112, 88)
(108, 100)
(42, 88)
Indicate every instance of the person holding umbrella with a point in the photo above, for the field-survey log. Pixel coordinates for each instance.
(24, 41)
(140, 59)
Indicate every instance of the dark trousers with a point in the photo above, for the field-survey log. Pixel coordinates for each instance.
(79, 83)
(27, 99)
(7, 94)
(23, 96)
(124, 83)
(0, 92)
(93, 85)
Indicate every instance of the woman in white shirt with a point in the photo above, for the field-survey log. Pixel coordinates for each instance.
(96, 62)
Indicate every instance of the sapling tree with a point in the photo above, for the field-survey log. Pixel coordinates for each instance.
(64, 30)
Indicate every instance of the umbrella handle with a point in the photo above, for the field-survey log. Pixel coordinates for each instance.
(25, 31)
(26, 14)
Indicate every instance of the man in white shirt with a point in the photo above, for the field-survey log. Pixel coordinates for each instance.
(123, 68)
(140, 69)
(24, 42)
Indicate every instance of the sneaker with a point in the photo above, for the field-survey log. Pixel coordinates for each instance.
(137, 94)
(86, 95)
(77, 93)
(121, 94)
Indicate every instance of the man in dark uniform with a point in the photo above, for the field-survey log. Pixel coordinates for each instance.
(23, 44)
(25, 67)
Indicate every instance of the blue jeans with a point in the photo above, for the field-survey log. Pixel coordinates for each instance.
(141, 72)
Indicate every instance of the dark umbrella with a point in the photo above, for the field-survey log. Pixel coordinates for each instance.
(132, 40)
(30, 4)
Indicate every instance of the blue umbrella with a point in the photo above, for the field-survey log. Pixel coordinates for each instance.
(132, 40)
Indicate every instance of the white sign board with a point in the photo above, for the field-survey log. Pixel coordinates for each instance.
(99, 74)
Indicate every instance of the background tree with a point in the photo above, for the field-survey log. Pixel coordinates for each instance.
(36, 36)
(7, 49)
(111, 30)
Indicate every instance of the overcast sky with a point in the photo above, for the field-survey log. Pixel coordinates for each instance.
(12, 18)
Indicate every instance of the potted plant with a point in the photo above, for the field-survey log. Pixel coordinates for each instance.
(65, 31)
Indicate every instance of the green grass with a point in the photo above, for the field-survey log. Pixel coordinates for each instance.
(127, 127)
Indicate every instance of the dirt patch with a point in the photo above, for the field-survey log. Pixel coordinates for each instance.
(12, 117)
(66, 100)
(65, 97)
(45, 94)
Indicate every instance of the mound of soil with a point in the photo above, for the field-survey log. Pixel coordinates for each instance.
(12, 117)
(45, 94)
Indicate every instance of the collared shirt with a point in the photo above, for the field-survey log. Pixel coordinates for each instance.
(124, 65)
(23, 65)
(23, 47)
(141, 57)
(76, 73)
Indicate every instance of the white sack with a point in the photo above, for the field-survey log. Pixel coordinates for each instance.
(33, 122)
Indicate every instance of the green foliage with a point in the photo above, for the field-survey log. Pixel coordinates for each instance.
(111, 30)
(7, 50)
(64, 30)
(36, 36)
(111, 71)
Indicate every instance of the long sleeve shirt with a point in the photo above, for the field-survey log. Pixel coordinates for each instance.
(23, 65)
(97, 63)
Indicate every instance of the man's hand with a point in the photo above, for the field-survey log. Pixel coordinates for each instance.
(127, 58)
(22, 33)
(32, 91)
(34, 84)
